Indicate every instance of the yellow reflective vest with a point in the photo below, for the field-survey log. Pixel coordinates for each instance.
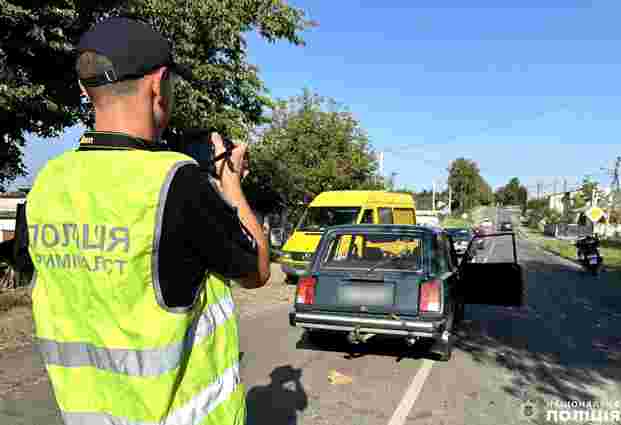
(115, 354)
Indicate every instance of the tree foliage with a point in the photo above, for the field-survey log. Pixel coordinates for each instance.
(589, 189)
(312, 145)
(469, 188)
(513, 193)
(38, 86)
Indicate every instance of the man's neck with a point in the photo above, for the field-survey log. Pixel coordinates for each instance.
(131, 124)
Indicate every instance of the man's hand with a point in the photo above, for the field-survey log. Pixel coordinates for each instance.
(238, 160)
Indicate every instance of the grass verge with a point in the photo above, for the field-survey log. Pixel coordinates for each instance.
(610, 250)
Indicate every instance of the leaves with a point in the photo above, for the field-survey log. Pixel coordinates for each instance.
(39, 92)
(312, 145)
(513, 193)
(469, 188)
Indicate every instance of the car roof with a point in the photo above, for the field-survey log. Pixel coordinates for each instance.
(389, 228)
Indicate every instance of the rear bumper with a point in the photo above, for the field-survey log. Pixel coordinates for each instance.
(335, 322)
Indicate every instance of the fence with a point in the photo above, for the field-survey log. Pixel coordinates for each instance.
(574, 231)
(567, 231)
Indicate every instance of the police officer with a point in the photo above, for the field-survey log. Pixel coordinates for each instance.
(133, 248)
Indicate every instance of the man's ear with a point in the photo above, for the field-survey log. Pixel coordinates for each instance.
(157, 78)
(83, 92)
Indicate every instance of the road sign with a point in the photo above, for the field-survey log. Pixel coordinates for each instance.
(595, 214)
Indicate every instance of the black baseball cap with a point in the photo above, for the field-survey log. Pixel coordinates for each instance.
(134, 48)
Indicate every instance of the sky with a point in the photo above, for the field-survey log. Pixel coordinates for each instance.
(529, 89)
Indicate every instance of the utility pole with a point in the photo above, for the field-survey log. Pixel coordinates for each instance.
(433, 196)
(615, 173)
(450, 199)
(564, 185)
(393, 180)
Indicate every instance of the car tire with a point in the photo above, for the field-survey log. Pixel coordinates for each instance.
(443, 351)
(460, 311)
(446, 356)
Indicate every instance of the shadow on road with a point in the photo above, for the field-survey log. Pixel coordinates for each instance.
(278, 402)
(377, 346)
(563, 345)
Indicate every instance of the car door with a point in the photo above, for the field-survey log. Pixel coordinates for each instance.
(451, 265)
(494, 281)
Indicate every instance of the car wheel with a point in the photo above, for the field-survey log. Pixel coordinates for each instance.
(441, 348)
(291, 279)
(448, 354)
(460, 310)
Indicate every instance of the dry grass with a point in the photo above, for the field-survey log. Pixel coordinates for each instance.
(12, 298)
(16, 326)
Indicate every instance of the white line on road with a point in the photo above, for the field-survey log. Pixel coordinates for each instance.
(491, 250)
(412, 393)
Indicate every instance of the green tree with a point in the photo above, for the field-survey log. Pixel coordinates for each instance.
(579, 201)
(424, 200)
(486, 194)
(312, 145)
(513, 193)
(500, 196)
(469, 188)
(589, 189)
(39, 94)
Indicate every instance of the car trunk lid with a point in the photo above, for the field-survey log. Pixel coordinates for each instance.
(368, 293)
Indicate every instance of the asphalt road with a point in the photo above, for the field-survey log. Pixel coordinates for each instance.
(564, 345)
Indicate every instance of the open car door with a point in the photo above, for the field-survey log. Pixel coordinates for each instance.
(492, 276)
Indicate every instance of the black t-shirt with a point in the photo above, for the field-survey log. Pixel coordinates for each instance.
(200, 231)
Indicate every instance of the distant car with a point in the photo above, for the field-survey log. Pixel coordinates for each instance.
(461, 239)
(485, 228)
(398, 281)
(506, 226)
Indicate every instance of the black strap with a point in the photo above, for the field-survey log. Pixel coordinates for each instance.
(104, 140)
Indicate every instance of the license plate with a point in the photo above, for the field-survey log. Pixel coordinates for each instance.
(593, 261)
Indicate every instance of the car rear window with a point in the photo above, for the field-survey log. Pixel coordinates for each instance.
(362, 251)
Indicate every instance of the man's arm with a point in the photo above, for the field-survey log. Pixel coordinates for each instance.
(236, 197)
(230, 185)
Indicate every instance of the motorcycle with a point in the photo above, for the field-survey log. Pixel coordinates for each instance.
(587, 250)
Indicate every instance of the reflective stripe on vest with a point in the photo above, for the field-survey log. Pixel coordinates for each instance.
(135, 362)
(192, 413)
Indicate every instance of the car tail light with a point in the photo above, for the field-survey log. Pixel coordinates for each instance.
(306, 290)
(430, 296)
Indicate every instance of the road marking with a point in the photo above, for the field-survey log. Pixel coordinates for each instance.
(411, 395)
(491, 250)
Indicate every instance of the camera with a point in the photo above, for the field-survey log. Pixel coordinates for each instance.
(196, 143)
